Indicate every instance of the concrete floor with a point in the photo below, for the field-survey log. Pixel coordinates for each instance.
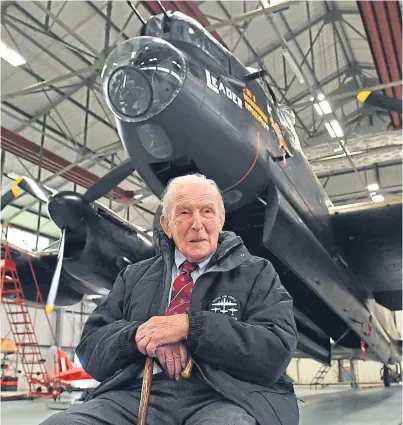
(376, 406)
(340, 406)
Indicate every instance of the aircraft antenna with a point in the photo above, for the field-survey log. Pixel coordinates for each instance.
(162, 8)
(136, 12)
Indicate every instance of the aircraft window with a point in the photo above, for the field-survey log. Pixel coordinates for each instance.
(185, 31)
(287, 119)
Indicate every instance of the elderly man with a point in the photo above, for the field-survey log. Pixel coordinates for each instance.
(203, 297)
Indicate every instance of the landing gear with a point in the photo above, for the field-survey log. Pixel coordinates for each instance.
(385, 375)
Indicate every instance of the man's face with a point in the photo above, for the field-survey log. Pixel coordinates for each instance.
(195, 220)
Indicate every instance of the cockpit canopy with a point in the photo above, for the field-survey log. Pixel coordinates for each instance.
(185, 29)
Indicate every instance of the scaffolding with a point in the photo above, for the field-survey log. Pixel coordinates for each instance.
(22, 328)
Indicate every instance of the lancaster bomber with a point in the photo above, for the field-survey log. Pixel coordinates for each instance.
(183, 104)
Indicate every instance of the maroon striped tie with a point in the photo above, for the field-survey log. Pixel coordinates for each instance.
(182, 290)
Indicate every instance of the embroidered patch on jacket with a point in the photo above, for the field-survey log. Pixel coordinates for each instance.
(226, 304)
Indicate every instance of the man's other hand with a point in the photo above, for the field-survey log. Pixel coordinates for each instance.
(173, 358)
(161, 330)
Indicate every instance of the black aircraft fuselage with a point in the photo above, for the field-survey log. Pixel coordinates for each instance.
(185, 104)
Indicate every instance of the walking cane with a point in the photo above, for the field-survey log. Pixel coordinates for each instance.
(145, 391)
(146, 388)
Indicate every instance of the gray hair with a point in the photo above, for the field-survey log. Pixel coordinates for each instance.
(189, 178)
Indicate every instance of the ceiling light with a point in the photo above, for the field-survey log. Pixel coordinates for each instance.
(325, 106)
(373, 187)
(293, 65)
(321, 96)
(318, 109)
(330, 130)
(337, 129)
(10, 55)
(311, 98)
(377, 197)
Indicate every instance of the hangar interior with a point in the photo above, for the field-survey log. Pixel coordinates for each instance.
(57, 129)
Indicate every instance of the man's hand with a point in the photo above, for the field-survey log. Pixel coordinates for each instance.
(161, 330)
(173, 358)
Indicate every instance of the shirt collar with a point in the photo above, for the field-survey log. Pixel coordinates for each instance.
(180, 259)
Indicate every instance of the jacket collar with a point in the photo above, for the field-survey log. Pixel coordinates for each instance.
(229, 254)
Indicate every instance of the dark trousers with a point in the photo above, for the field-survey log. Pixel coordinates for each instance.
(187, 402)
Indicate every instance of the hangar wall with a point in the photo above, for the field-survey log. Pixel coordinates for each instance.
(303, 371)
(67, 325)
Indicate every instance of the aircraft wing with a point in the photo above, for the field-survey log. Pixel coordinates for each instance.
(370, 237)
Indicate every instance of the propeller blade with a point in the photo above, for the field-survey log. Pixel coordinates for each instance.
(8, 197)
(109, 181)
(50, 302)
(34, 188)
(377, 98)
(29, 186)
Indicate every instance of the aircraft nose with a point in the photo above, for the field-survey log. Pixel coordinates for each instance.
(141, 77)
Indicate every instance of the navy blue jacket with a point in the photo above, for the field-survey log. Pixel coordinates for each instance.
(242, 332)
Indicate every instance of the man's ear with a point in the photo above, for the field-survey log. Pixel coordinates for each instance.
(165, 227)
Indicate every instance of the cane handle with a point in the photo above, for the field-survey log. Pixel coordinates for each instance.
(187, 372)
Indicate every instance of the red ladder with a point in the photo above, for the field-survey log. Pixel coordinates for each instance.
(15, 305)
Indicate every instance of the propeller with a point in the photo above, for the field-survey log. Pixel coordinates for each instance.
(28, 185)
(377, 98)
(100, 188)
(54, 286)
(55, 203)
(109, 181)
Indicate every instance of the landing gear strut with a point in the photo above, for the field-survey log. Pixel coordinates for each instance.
(386, 376)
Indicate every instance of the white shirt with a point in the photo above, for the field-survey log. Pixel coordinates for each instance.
(195, 274)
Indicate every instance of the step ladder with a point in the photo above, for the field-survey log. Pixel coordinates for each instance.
(320, 376)
(15, 306)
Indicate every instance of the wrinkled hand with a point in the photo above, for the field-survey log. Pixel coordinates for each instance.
(173, 358)
(161, 330)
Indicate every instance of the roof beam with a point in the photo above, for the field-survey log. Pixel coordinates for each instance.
(66, 27)
(22, 147)
(279, 6)
(356, 196)
(257, 58)
(383, 27)
(273, 47)
(48, 83)
(106, 19)
(385, 164)
(361, 160)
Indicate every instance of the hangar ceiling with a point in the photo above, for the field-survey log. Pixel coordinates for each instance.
(57, 128)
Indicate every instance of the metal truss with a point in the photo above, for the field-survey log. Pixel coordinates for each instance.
(84, 76)
(258, 58)
(77, 79)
